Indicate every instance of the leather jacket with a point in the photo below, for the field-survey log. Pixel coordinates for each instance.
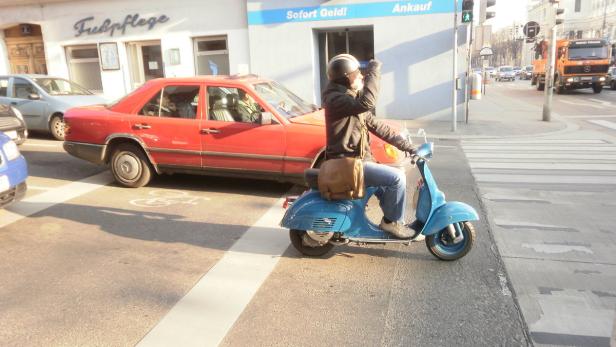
(349, 114)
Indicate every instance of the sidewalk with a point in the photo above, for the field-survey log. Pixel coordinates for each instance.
(491, 117)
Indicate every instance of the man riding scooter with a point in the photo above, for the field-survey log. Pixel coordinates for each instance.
(349, 101)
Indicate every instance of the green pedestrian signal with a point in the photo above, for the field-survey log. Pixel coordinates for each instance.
(467, 16)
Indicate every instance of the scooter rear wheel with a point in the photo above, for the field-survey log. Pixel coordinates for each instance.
(297, 237)
(442, 247)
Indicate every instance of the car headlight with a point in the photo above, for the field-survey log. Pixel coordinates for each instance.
(570, 79)
(601, 79)
(10, 150)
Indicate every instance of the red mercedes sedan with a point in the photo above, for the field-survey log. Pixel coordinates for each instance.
(241, 126)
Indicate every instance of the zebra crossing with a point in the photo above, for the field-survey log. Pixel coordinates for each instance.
(551, 204)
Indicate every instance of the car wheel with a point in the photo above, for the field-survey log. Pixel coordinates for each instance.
(130, 167)
(596, 88)
(56, 127)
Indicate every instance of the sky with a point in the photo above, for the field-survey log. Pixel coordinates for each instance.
(507, 11)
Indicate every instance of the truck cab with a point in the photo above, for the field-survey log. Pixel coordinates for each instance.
(579, 64)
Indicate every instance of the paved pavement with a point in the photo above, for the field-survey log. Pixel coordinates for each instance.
(549, 194)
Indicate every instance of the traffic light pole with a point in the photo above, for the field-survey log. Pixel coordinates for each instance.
(454, 93)
(549, 76)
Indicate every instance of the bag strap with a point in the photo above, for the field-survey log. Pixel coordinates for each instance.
(362, 139)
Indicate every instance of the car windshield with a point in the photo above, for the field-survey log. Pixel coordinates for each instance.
(59, 86)
(285, 102)
(597, 52)
(506, 68)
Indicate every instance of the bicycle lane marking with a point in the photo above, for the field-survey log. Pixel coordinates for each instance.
(45, 200)
(204, 316)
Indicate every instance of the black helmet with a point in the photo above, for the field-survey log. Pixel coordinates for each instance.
(341, 66)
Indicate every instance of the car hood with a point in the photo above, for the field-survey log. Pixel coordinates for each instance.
(313, 118)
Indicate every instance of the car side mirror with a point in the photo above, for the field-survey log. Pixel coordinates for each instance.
(34, 96)
(265, 118)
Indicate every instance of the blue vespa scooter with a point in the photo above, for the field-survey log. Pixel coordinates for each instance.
(316, 225)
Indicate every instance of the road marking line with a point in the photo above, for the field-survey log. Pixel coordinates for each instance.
(535, 148)
(593, 116)
(40, 202)
(543, 166)
(207, 312)
(544, 179)
(603, 123)
(548, 156)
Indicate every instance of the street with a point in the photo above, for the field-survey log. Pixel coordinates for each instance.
(551, 202)
(197, 260)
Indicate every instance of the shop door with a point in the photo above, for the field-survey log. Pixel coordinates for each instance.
(26, 51)
(357, 41)
(146, 62)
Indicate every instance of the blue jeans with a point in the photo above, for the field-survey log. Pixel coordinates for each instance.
(391, 192)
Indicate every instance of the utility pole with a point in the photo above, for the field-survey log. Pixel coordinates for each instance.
(454, 105)
(551, 61)
(604, 20)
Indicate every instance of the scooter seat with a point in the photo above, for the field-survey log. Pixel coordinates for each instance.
(312, 178)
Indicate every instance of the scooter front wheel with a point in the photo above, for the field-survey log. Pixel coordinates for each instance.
(297, 239)
(442, 246)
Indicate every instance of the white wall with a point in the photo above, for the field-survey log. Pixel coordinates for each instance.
(416, 52)
(187, 19)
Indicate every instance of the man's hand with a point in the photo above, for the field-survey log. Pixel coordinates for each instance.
(374, 65)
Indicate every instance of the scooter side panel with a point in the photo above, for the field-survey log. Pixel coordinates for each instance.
(451, 212)
(311, 212)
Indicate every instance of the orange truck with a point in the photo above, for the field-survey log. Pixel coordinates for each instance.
(579, 64)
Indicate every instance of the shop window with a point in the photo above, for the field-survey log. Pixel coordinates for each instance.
(175, 102)
(211, 55)
(232, 105)
(84, 67)
(578, 5)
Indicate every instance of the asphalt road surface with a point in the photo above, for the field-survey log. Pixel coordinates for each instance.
(192, 260)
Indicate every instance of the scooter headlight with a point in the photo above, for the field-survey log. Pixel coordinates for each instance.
(10, 150)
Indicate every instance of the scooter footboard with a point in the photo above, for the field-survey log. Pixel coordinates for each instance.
(451, 212)
(316, 214)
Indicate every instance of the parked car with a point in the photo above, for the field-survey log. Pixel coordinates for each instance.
(13, 172)
(505, 73)
(215, 125)
(611, 78)
(527, 72)
(12, 124)
(43, 100)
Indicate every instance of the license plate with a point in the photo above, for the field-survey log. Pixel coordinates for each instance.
(12, 134)
(4, 183)
(586, 78)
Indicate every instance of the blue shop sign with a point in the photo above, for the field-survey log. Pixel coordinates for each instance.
(350, 11)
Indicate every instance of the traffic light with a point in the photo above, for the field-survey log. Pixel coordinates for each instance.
(484, 13)
(557, 20)
(467, 11)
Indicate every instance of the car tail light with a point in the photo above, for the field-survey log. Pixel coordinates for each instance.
(288, 201)
(391, 151)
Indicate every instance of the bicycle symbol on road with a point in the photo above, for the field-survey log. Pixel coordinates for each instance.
(163, 198)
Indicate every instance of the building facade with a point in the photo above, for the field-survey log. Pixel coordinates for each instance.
(115, 46)
(583, 19)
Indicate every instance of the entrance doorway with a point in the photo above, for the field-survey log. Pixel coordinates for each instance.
(146, 62)
(357, 41)
(26, 50)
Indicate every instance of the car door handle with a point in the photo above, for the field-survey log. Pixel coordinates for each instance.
(210, 131)
(142, 126)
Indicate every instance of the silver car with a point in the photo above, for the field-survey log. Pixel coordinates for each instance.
(42, 100)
